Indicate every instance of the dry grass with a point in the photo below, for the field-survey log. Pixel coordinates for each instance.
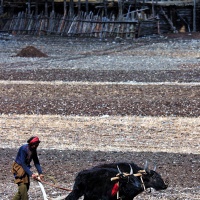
(106, 133)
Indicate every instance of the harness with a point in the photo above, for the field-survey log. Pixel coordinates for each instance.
(115, 189)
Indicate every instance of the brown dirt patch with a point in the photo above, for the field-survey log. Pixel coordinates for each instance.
(31, 51)
(100, 99)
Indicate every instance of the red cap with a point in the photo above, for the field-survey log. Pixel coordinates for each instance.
(34, 140)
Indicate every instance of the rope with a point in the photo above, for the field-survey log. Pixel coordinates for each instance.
(52, 185)
(142, 183)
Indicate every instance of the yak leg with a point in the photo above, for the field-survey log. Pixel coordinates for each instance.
(74, 195)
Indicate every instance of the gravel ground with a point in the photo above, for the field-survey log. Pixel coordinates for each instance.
(65, 53)
(159, 59)
(94, 102)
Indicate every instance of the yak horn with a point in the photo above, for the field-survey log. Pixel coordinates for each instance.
(119, 170)
(146, 166)
(131, 170)
(154, 169)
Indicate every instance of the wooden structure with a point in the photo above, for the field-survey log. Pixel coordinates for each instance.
(99, 18)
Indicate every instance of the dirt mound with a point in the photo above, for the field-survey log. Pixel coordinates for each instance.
(31, 51)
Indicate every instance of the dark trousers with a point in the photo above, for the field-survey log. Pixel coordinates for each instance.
(22, 193)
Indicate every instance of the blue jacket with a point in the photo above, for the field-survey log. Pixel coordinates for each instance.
(24, 158)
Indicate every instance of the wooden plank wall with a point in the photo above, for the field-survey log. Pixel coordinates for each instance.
(84, 25)
(93, 25)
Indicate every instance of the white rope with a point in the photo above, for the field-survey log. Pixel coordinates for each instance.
(43, 190)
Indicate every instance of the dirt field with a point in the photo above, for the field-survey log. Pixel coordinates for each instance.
(87, 116)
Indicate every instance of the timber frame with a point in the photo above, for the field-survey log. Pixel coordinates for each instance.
(99, 18)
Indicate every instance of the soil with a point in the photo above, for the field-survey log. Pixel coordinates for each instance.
(83, 123)
(31, 51)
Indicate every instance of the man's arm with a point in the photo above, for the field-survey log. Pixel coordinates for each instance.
(37, 163)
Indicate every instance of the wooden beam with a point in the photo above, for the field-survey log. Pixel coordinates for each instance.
(53, 6)
(169, 20)
(29, 7)
(36, 7)
(194, 16)
(46, 8)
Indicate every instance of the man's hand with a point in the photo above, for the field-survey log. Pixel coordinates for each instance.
(41, 177)
(35, 176)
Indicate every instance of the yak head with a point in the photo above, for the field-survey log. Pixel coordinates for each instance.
(154, 180)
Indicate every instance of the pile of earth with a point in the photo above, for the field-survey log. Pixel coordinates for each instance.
(31, 51)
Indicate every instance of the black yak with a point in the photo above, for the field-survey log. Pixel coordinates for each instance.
(112, 181)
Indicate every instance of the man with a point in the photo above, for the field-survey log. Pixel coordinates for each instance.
(21, 167)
